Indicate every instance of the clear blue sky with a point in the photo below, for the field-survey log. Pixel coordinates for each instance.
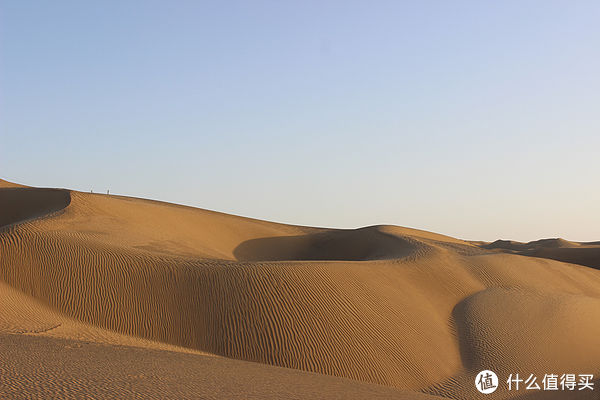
(476, 119)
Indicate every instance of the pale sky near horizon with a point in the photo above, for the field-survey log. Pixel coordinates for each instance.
(479, 120)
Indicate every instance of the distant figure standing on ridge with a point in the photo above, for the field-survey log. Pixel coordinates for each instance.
(107, 191)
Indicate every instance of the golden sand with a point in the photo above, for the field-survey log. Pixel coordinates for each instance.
(111, 296)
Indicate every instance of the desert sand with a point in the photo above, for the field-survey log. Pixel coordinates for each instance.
(118, 297)
(584, 253)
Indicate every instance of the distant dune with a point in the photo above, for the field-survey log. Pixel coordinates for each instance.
(114, 296)
(584, 253)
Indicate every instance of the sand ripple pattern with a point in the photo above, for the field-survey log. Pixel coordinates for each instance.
(401, 307)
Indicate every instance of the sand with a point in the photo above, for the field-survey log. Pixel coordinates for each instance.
(583, 253)
(120, 297)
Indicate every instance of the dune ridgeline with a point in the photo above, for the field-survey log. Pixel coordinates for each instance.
(110, 296)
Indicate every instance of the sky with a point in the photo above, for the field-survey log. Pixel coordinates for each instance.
(479, 120)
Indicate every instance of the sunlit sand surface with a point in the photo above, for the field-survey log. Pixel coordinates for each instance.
(116, 297)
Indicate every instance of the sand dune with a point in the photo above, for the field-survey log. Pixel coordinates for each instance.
(204, 292)
(7, 184)
(556, 249)
(22, 204)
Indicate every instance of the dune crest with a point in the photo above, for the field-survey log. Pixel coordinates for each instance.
(582, 253)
